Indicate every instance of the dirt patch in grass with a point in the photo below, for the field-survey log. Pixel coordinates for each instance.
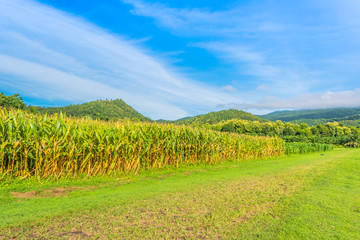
(31, 194)
(59, 192)
(53, 192)
(74, 235)
(188, 173)
(165, 176)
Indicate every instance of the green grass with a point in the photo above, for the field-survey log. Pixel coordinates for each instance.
(330, 207)
(310, 196)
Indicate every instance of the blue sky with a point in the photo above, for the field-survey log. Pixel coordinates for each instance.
(171, 59)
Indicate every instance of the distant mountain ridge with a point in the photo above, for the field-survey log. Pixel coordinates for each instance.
(216, 117)
(117, 109)
(327, 114)
(101, 109)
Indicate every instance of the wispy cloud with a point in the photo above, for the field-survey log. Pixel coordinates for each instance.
(57, 56)
(234, 31)
(307, 59)
(251, 63)
(229, 88)
(286, 60)
(195, 22)
(305, 101)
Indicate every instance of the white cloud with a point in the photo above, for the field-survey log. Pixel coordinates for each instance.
(307, 101)
(232, 51)
(229, 88)
(346, 12)
(263, 87)
(57, 81)
(62, 57)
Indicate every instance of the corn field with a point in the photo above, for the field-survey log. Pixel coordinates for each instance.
(302, 148)
(43, 146)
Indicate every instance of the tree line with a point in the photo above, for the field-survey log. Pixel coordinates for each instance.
(328, 133)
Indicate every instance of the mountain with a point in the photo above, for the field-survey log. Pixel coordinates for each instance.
(324, 114)
(353, 120)
(216, 117)
(100, 109)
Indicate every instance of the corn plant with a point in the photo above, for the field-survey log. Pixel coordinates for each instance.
(302, 148)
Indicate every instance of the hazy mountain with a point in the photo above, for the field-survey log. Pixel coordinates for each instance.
(325, 114)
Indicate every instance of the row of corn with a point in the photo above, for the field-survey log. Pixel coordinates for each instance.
(303, 148)
(42, 146)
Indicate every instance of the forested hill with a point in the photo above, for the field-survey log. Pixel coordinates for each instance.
(216, 117)
(100, 109)
(326, 114)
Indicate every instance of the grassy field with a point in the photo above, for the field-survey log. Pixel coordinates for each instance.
(313, 196)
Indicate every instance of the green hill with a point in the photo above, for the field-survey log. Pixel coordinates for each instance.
(324, 114)
(100, 109)
(216, 117)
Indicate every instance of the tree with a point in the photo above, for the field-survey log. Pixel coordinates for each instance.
(229, 127)
(12, 101)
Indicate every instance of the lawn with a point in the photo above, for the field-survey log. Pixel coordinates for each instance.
(312, 196)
